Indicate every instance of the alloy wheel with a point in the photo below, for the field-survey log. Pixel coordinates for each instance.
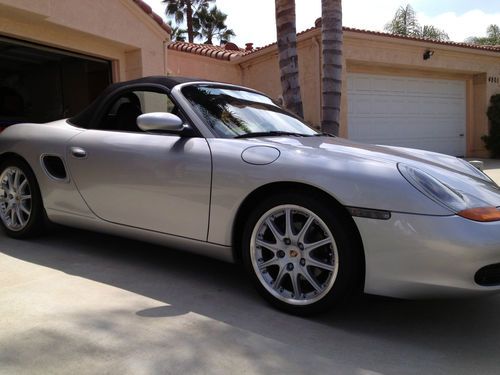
(15, 199)
(294, 255)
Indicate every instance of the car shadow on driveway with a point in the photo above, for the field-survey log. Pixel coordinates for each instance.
(382, 334)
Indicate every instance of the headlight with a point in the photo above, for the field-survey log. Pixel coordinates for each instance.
(465, 206)
(433, 188)
(476, 172)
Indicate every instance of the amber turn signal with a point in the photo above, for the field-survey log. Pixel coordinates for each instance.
(483, 214)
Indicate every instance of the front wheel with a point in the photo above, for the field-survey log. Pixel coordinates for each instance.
(21, 208)
(301, 255)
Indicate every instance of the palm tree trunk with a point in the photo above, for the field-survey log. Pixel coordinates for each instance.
(189, 21)
(288, 60)
(331, 38)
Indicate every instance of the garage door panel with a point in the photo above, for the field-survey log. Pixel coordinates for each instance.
(405, 111)
(380, 104)
(360, 84)
(360, 104)
(390, 127)
(394, 105)
(384, 85)
(377, 105)
(456, 89)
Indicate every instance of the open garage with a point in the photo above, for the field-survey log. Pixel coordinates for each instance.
(56, 56)
(40, 84)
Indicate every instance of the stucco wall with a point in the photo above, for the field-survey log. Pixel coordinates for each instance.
(261, 72)
(116, 30)
(183, 64)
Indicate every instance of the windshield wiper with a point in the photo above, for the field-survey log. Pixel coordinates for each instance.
(271, 133)
(323, 134)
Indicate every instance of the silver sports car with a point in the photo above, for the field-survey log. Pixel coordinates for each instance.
(221, 170)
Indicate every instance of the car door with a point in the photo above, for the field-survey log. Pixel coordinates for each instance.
(159, 182)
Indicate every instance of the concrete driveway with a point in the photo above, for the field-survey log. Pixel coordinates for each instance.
(84, 303)
(492, 169)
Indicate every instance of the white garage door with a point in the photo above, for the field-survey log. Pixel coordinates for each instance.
(422, 113)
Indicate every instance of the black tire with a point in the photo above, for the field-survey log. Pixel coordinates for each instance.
(349, 253)
(35, 224)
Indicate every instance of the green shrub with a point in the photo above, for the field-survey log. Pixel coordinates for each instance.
(492, 141)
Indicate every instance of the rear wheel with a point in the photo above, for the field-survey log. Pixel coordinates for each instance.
(21, 208)
(301, 255)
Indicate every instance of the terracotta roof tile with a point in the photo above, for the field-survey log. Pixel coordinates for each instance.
(149, 11)
(208, 50)
(218, 52)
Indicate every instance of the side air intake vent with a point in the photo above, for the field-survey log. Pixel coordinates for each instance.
(54, 167)
(489, 275)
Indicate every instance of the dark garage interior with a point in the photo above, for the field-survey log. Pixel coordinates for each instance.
(40, 84)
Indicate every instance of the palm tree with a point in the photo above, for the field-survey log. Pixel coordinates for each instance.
(212, 24)
(189, 9)
(432, 32)
(405, 23)
(331, 41)
(492, 39)
(288, 60)
(178, 34)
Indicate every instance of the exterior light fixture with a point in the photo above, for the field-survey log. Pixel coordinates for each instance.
(427, 54)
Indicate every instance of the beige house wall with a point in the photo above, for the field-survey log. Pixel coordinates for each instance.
(363, 53)
(184, 64)
(261, 72)
(96, 28)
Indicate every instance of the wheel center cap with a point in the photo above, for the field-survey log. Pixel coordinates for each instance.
(294, 253)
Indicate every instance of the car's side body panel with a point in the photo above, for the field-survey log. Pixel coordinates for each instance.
(150, 181)
(204, 248)
(31, 141)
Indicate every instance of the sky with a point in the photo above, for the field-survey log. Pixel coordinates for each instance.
(253, 21)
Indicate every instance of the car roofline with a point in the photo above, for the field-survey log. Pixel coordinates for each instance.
(220, 84)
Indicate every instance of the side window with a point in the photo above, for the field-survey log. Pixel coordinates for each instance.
(154, 102)
(122, 114)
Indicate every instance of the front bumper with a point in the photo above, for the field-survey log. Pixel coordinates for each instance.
(418, 256)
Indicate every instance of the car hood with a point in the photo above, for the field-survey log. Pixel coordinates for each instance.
(448, 169)
(389, 154)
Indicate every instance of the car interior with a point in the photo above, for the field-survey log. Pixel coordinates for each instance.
(123, 112)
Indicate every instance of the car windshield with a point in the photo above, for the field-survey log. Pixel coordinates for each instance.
(237, 113)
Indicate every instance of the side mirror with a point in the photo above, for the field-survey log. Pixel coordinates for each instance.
(160, 121)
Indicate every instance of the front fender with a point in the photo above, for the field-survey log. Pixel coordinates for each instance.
(351, 180)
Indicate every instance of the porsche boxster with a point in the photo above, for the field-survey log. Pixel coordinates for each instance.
(223, 171)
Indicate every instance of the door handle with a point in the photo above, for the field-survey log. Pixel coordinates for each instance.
(78, 152)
